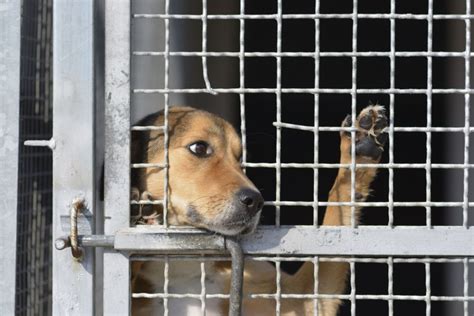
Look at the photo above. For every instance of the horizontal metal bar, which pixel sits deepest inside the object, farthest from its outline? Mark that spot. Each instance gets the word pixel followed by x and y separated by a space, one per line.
pixel 148 165
pixel 369 204
pixel 174 295
pixel 302 240
pixel 350 129
pixel 305 54
pixel 384 297
pixel 362 165
pixel 41 143
pixel 148 128
pixel 278 258
pixel 308 90
pixel 147 202
pixel 96 241
pixel 407 16
pixel 157 239
pixel 322 203
pixel 364 241
pixel 381 297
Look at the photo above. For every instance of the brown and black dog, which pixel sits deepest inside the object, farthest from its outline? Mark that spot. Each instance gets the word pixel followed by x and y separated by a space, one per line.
pixel 208 189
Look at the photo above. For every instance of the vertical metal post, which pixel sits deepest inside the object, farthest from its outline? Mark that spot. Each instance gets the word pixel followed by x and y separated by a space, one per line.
pixel 429 110
pixel 353 113
pixel 10 28
pixel 73 159
pixel 317 61
pixel 117 152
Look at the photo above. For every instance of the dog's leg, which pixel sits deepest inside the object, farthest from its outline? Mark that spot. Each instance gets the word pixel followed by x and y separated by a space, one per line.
pixel 370 140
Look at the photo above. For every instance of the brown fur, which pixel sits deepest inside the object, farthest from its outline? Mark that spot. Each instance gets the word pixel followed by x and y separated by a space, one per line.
pixel 209 184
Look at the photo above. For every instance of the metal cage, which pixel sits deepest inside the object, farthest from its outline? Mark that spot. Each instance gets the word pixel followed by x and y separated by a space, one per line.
pixel 279 68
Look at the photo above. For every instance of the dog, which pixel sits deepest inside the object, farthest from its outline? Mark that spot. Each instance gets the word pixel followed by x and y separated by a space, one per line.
pixel 208 189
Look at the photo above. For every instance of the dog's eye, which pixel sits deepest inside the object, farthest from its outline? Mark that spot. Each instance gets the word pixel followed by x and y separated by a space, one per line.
pixel 200 149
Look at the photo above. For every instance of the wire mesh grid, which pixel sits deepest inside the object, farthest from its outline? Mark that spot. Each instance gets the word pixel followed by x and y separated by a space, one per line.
pixel 33 276
pixel 278 204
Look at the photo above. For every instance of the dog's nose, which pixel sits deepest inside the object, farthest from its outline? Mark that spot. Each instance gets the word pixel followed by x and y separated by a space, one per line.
pixel 251 199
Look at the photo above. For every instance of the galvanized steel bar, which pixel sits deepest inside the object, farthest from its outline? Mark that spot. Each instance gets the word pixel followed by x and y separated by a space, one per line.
pixel 243 127
pixel 289 240
pixel 73 158
pixel 467 106
pixel 465 264
pixel 407 54
pixel 205 72
pixel 203 287
pixel 391 127
pixel 303 258
pixel 401 16
pixel 309 90
pixel 157 239
pixel 390 285
pixel 166 150
pixel 278 92
pixel 365 241
pixel 116 293
pixel 316 285
pixel 429 110
pixel 10 27
pixel 352 278
pixel 353 222
pixel 236 282
pixel 166 122
pixel 316 119
pixel 428 288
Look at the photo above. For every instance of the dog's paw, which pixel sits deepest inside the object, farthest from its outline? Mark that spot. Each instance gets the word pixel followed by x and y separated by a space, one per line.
pixel 370 136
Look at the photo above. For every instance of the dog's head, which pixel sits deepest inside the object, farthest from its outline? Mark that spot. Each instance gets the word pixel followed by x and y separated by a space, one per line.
pixel 207 187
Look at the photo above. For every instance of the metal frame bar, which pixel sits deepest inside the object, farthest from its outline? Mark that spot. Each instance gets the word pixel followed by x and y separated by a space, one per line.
pixel 116 292
pixel 10 28
pixel 401 16
pixel 404 54
pixel 376 241
pixel 73 157
pixel 307 90
pixel 446 241
pixel 467 104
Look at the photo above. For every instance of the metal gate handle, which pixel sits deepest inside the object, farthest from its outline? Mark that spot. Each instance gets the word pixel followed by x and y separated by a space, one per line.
pixel 72 240
pixel 237 276
pixel 230 244
pixel 76 207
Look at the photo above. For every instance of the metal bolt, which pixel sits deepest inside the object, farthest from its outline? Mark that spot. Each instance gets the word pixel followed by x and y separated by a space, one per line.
pixel 61 243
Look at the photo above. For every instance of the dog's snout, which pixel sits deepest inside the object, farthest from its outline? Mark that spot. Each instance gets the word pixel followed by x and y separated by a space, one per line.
pixel 251 199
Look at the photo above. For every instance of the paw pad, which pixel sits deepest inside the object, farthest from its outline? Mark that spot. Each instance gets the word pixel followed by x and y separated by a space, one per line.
pixel 370 136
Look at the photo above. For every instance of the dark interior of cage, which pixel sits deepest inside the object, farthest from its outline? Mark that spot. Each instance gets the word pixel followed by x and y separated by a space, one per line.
pixel 411 110
pixel 373 35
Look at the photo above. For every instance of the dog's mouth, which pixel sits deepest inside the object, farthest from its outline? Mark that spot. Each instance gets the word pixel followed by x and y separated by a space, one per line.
pixel 230 223
pixel 238 224
pixel 244 227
